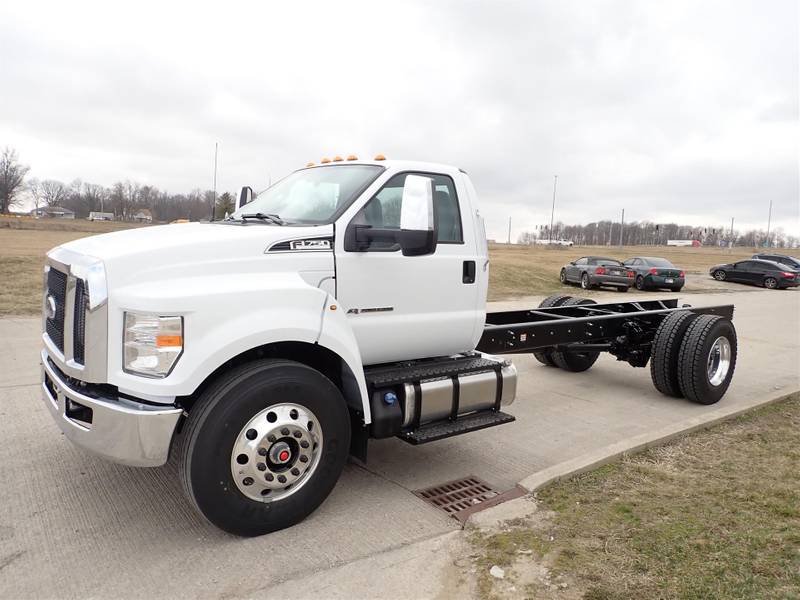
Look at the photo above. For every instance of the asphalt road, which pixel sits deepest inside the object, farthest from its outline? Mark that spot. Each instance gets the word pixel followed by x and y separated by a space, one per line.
pixel 72 525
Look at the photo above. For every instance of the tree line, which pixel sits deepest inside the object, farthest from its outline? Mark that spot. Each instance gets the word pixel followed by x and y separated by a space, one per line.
pixel 647 233
pixel 124 199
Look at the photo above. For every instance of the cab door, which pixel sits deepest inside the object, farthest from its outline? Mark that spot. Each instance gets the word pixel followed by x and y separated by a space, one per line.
pixel 407 307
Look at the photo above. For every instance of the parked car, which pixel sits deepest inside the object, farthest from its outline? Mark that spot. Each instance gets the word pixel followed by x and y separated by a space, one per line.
pixel 653 272
pixel 595 271
pixel 767 273
pixel 789 261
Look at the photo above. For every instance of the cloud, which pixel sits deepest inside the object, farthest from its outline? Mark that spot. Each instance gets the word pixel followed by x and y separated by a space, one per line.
pixel 677 110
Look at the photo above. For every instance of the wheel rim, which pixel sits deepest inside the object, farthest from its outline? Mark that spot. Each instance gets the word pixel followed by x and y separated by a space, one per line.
pixel 770 283
pixel 719 361
pixel 585 282
pixel 563 276
pixel 276 452
pixel 719 275
pixel 639 283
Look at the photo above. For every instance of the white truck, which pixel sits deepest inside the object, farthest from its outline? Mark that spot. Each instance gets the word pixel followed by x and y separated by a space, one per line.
pixel 344 303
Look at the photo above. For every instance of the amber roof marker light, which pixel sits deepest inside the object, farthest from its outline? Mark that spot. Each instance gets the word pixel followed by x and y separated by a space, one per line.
pixel 352 157
pixel 380 157
pixel 310 164
pixel 325 161
pixel 337 159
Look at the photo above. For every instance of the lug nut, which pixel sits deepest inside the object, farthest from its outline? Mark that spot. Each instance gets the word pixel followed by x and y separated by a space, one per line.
pixel 261 467
pixel 285 431
pixel 295 471
pixel 262 451
pixel 269 476
pixel 303 458
pixel 304 444
pixel 281 478
pixel 270 438
pixel 297 434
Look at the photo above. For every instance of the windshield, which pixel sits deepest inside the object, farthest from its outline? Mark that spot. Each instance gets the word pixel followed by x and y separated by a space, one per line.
pixel 658 262
pixel 598 260
pixel 316 195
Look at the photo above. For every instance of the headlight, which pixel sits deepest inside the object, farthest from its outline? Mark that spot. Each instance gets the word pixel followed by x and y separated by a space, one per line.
pixel 151 344
pixel 94 274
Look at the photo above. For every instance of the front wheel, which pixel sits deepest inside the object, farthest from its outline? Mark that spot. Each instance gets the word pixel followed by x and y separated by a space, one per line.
pixel 770 283
pixel 563 276
pixel 720 275
pixel 264 446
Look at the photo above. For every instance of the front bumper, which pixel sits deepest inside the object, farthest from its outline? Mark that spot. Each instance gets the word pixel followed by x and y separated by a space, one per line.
pixel 120 430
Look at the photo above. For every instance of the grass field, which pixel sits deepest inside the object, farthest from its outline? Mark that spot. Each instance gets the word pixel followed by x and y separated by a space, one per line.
pixel 515 270
pixel 713 515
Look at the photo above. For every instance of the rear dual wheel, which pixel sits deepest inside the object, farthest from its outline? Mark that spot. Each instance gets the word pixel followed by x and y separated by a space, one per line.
pixel 575 361
pixel 546 356
pixel 693 356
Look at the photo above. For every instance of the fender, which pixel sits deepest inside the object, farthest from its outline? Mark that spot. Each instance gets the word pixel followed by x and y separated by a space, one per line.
pixel 225 316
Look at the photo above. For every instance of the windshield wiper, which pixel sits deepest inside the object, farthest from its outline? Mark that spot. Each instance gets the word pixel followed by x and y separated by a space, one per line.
pixel 269 217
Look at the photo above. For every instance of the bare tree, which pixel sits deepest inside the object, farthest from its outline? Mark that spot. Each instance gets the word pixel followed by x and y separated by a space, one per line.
pixel 53 192
pixel 12 177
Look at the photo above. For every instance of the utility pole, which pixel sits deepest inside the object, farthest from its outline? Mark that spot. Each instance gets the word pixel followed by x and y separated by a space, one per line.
pixel 553 210
pixel 730 242
pixel 621 227
pixel 610 231
pixel 509 231
pixel 214 201
pixel 769 222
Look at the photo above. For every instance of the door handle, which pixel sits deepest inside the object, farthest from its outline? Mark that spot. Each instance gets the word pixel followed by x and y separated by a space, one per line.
pixel 468 272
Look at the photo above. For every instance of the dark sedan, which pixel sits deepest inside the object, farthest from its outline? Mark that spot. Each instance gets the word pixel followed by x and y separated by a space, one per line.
pixel 789 261
pixel 654 273
pixel 595 271
pixel 766 273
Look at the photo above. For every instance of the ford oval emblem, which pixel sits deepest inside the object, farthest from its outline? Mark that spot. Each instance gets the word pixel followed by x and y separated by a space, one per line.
pixel 50 307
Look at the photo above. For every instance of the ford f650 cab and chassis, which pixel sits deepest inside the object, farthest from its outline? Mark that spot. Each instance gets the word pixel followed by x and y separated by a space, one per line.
pixel 346 302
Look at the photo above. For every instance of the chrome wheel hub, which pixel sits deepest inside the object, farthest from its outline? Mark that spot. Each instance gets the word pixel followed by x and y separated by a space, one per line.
pixel 276 452
pixel 719 361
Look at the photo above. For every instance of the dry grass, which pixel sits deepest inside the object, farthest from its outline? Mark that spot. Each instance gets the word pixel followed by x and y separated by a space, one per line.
pixel 516 271
pixel 533 270
pixel 713 515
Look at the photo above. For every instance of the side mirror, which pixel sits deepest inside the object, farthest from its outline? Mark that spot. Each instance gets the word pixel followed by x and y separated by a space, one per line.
pixel 245 197
pixel 418 233
pixel 572 262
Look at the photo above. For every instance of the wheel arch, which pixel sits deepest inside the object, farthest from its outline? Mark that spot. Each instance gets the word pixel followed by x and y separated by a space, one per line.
pixel 314 355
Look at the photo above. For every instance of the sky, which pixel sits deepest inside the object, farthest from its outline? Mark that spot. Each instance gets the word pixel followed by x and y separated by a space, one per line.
pixel 682 111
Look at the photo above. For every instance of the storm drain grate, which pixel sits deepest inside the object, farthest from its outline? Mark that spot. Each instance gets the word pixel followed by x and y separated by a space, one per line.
pixel 455 496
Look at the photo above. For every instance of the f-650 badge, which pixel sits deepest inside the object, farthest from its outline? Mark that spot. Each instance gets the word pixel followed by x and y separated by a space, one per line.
pixel 311 245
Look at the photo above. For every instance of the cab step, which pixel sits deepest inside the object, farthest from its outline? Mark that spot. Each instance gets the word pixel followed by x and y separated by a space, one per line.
pixel 445 429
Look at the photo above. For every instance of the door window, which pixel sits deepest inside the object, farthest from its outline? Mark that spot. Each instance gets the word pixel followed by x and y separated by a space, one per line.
pixel 582 261
pixel 383 210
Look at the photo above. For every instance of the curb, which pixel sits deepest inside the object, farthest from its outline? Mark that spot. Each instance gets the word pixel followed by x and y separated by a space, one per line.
pixel 639 443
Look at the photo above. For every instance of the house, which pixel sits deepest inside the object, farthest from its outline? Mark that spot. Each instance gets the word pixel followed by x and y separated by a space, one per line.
pixel 101 216
pixel 53 212
pixel 143 216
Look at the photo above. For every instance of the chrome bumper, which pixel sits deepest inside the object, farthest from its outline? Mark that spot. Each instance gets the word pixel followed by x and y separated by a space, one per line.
pixel 122 431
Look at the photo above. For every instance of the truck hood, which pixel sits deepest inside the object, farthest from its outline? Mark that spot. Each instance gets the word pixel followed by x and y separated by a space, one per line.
pixel 188 249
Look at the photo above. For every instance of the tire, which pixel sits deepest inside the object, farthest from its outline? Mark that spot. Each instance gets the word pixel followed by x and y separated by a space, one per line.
pixel 545 356
pixel 677 289
pixel 623 289
pixel 563 277
pixel 574 361
pixel 771 283
pixel 640 283
pixel 720 275
pixel 585 283
pixel 228 410
pixel 665 352
pixel 710 340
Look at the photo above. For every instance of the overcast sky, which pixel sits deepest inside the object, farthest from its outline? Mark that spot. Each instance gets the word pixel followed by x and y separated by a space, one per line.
pixel 676 111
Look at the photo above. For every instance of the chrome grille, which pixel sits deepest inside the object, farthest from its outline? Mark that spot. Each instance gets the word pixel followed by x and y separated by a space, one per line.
pixel 79 322
pixel 57 288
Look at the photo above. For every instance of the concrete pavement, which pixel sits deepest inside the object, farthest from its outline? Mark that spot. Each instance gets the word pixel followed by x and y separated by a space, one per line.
pixel 73 525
